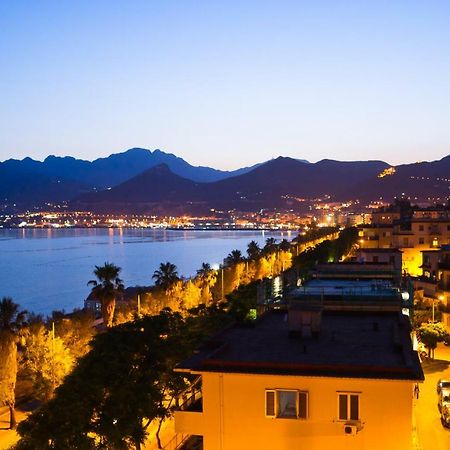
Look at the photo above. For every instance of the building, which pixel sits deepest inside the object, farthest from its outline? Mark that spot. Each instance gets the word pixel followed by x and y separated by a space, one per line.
pixel 433 286
pixel 425 230
pixel 314 376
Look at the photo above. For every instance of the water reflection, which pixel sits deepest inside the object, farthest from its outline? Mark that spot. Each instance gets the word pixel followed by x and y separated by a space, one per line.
pixel 55 265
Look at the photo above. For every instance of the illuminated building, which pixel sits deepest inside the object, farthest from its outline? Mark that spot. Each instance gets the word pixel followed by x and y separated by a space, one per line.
pixel 336 369
pixel 314 376
pixel 425 230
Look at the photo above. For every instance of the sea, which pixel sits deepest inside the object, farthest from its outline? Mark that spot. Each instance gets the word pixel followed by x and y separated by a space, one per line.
pixel 48 269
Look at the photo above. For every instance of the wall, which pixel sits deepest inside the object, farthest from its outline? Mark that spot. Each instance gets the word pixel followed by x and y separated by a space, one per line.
pixel 233 415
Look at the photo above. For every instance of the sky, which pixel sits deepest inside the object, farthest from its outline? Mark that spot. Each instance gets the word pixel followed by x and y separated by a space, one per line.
pixel 226 84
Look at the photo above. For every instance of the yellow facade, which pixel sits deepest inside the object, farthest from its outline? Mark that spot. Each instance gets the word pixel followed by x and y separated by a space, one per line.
pixel 234 414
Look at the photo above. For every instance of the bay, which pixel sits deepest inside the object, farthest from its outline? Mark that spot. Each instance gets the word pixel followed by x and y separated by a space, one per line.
pixel 48 269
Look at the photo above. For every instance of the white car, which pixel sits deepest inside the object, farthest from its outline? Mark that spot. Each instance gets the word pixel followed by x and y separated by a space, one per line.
pixel 444 398
pixel 442 384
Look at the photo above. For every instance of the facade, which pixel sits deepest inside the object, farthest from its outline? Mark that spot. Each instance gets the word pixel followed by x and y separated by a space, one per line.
pixel 425 230
pixel 433 285
pixel 310 377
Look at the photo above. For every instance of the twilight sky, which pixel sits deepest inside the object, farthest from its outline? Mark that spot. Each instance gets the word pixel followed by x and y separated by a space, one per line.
pixel 226 83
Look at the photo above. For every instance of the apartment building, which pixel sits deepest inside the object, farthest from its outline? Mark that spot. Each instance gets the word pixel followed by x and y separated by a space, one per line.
pixel 424 230
pixel 313 376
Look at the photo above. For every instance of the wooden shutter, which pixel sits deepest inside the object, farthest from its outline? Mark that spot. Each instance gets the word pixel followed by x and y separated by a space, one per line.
pixel 302 405
pixel 270 403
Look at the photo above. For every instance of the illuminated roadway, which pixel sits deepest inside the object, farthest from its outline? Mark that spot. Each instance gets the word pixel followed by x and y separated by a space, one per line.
pixel 432 435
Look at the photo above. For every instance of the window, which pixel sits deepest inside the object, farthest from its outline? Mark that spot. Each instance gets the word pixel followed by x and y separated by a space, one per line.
pixel 287 404
pixel 348 404
pixel 420 227
pixel 405 241
pixel 421 240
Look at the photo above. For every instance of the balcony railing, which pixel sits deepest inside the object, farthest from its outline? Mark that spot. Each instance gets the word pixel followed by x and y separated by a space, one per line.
pixel 191 398
pixel 176 442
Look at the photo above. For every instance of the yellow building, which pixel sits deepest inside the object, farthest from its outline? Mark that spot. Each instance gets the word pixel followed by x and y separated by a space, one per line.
pixel 422 232
pixel 313 378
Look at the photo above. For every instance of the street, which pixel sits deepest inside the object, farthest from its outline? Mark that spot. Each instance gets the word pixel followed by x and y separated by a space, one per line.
pixel 431 434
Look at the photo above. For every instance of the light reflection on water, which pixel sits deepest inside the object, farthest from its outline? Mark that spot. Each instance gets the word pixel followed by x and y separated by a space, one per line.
pixel 47 269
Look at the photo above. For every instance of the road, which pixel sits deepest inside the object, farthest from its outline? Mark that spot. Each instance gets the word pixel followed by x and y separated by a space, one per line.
pixel 9 437
pixel 431 434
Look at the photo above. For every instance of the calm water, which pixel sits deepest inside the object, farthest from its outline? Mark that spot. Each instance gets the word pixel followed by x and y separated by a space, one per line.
pixel 44 270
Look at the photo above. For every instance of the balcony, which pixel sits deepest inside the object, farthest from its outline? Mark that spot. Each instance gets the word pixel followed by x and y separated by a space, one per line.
pixel 189 414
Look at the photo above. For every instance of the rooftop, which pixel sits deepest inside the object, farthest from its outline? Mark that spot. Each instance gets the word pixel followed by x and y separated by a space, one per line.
pixel 350 344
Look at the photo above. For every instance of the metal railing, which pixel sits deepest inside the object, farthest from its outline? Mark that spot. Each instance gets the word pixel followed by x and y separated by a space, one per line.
pixel 190 395
pixel 176 442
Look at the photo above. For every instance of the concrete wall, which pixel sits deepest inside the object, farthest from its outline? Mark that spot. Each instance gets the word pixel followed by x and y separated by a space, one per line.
pixel 234 418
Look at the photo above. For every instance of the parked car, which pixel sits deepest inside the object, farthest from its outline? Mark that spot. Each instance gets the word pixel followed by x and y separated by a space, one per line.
pixel 442 384
pixel 445 415
pixel 444 399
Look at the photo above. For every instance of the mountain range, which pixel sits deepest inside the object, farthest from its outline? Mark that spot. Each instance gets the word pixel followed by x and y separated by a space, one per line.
pixel 144 181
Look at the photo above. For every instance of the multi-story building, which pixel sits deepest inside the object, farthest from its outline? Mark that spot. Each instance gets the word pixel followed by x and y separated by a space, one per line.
pixel 315 376
pixel 433 285
pixel 425 230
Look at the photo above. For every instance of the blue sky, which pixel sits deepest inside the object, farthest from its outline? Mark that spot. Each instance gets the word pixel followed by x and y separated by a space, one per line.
pixel 226 84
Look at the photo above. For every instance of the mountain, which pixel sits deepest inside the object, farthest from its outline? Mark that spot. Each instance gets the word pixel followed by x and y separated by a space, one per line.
pixel 56 179
pixel 282 183
pixel 141 181
pixel 157 190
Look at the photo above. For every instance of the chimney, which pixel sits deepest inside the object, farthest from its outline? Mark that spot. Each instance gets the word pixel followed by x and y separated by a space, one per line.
pixel 304 318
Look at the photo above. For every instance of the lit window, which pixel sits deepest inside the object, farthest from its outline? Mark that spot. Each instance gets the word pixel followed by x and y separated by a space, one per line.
pixel 348 406
pixel 288 404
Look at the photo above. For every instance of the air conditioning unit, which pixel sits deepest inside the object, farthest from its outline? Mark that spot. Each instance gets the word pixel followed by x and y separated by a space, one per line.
pixel 350 429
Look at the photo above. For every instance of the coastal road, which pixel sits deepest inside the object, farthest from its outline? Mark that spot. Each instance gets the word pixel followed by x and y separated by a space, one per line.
pixel 431 434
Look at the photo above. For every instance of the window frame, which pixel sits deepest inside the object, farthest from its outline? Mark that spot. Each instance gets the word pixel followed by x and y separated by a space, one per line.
pixel 276 403
pixel 349 412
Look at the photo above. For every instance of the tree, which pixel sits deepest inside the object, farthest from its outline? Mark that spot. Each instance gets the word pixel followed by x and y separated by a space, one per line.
pixel 46 360
pixel 105 288
pixel 207 277
pixel 271 245
pixel 253 250
pixel 431 334
pixel 234 257
pixel 94 409
pixel 11 324
pixel 166 275
pixel 285 245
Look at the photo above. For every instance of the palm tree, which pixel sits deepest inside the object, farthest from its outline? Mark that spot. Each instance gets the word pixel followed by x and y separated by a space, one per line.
pixel 105 288
pixel 206 274
pixel 253 250
pixel 271 245
pixel 285 245
pixel 11 323
pixel 234 257
pixel 166 275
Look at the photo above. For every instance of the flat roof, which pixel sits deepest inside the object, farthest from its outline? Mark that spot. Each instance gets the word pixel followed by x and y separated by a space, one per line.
pixel 350 345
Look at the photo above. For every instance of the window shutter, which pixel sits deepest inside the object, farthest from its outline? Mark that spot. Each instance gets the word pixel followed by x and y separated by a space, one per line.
pixel 302 405
pixel 270 403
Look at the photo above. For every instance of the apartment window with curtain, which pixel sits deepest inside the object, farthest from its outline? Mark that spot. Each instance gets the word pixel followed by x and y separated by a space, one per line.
pixel 348 406
pixel 286 404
